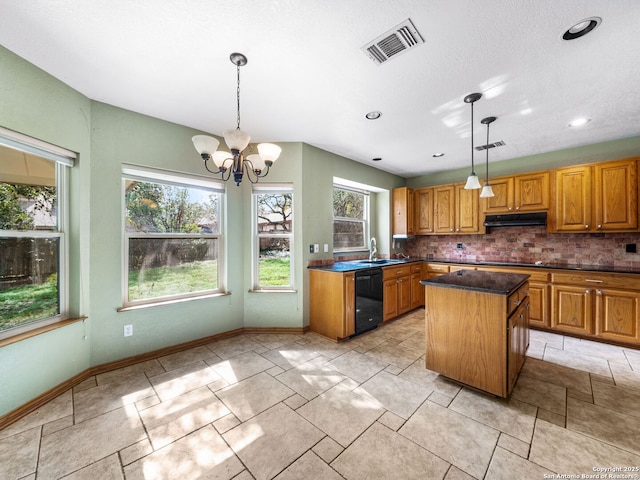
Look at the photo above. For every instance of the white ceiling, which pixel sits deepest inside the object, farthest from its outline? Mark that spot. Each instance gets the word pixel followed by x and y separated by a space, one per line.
pixel 307 79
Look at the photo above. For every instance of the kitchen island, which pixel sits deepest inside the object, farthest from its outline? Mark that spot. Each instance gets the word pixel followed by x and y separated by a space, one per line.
pixel 477 330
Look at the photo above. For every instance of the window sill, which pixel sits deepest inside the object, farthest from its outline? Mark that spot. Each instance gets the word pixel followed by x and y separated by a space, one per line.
pixel 273 291
pixel 37 331
pixel 130 308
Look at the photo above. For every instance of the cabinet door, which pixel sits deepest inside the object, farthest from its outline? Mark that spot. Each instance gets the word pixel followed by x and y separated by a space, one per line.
pixel 403 221
pixel 616 196
pixel 502 201
pixel 518 341
pixel 424 211
pixel 404 294
pixel 572 309
pixel 443 209
pixel 531 192
pixel 539 304
pixel 390 299
pixel 572 212
pixel 618 315
pixel 467 210
pixel 349 304
pixel 417 291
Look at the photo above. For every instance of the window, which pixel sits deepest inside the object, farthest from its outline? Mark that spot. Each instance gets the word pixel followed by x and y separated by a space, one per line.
pixel 350 219
pixel 33 224
pixel 172 229
pixel 273 233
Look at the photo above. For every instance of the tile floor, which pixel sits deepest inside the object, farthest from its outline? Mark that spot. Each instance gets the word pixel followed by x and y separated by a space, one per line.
pixel 282 406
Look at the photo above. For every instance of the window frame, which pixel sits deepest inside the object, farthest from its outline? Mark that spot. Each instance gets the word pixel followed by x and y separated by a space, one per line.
pixel 175 179
pixel 261 189
pixel 366 221
pixel 64 160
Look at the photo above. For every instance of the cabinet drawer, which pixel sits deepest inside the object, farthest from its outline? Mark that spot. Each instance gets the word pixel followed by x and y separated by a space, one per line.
pixel 416 267
pixel 597 280
pixel 516 298
pixel 437 268
pixel 535 274
pixel 395 272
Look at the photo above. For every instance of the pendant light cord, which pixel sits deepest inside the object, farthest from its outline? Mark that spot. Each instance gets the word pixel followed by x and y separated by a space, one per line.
pixel 487 173
pixel 238 96
pixel 473 170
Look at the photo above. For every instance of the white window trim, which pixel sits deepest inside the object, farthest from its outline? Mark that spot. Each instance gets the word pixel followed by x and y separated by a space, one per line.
pixel 177 179
pixel 64 160
pixel 366 221
pixel 275 188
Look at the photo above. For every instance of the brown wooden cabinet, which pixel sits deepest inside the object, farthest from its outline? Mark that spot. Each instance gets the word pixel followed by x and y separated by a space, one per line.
pixel 396 291
pixel 520 193
pixel 456 210
pixel 539 293
pixel 596 198
pixel 332 303
pixel 417 290
pixel 572 309
pixel 617 315
pixel 518 333
pixel 444 206
pixel 423 199
pixel 403 212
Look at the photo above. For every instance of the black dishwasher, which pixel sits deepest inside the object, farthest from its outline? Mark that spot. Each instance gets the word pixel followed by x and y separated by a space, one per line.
pixel 368 299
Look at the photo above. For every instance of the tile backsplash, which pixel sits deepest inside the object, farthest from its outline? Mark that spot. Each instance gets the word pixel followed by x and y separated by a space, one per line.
pixel 529 245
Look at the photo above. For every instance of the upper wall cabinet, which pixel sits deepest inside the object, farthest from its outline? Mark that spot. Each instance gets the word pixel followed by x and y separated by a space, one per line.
pixel 456 210
pixel 596 198
pixel 520 193
pixel 403 213
pixel 423 211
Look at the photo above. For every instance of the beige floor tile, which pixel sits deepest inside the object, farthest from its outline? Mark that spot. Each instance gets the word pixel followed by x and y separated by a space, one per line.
pixel 135 452
pixel 440 399
pixel 594 349
pixel 244 475
pixel 536 349
pixel 68 450
pixel 514 445
pixel 290 355
pixel 184 379
pixel 295 401
pixel 455 473
pixel 230 347
pixel 395 457
pixel 150 368
pixel 626 378
pixel 357 366
pixel 88 383
pixel 511 416
pixel 633 357
pixel 541 394
pixel 254 395
pixel 275 340
pixel 367 341
pixel 110 396
pixel 327 348
pixel 19 454
pixel 241 366
pixel 417 373
pixel 393 393
pixel 599 366
pixel 341 414
pixel 609 426
pixel 327 449
pixel 272 440
pixel 179 416
pixel 226 423
pixel 394 355
pixel 311 378
pixel 147 402
pixel 551 339
pixel 106 469
pixel 198 456
pixel 185 357
pixel 547 416
pixel 557 374
pixel 309 466
pixel 58 408
pixel 52 427
pixel 623 400
pixel 275 371
pixel 564 451
pixel 391 421
pixel 459 440
pixel 504 464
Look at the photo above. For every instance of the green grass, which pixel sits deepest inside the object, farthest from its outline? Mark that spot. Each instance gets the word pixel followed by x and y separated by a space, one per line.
pixel 163 281
pixel 274 272
pixel 22 304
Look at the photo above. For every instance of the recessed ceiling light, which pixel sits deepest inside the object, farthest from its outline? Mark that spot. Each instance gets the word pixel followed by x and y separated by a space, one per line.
pixel 578 122
pixel 436 155
pixel 377 159
pixel 373 115
pixel 581 28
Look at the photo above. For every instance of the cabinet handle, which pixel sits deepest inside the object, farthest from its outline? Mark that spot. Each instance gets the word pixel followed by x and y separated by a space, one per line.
pixel 517 208
pixel 593 281
pixel 457 229
pixel 451 229
pixel 599 227
pixel 598 292
pixel 510 208
pixel 516 303
pixel 587 291
pixel 586 227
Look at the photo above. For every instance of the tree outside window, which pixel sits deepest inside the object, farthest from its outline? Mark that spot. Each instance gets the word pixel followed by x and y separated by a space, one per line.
pixel 350 219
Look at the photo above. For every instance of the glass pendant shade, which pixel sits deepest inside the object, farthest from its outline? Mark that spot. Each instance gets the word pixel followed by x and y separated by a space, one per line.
pixel 220 156
pixel 472 182
pixel 205 144
pixel 256 161
pixel 486 192
pixel 236 139
pixel 269 152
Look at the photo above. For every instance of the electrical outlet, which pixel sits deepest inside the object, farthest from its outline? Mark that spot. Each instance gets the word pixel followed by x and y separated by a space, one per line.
pixel 128 330
pixel 459 246
pixel 326 248
pixel 316 248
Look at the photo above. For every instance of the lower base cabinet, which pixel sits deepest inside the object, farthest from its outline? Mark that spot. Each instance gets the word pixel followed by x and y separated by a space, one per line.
pixel 617 315
pixel 332 303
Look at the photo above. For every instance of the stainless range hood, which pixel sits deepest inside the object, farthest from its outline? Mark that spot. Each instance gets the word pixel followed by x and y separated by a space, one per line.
pixel 516 219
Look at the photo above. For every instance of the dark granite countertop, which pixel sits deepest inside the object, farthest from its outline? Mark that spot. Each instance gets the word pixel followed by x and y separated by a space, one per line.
pixel 489 282
pixel 352 265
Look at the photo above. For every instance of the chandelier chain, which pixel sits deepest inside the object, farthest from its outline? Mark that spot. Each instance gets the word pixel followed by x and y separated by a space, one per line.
pixel 238 95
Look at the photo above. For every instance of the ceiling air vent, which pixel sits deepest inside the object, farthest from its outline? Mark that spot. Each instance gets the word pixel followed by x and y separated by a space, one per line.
pixel 399 39
pixel 499 143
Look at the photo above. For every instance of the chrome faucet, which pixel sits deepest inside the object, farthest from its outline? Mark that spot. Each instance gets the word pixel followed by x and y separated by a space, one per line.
pixel 373 249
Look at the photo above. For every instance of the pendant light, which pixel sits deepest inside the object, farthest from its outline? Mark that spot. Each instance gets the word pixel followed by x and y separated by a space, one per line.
pixel 487 191
pixel 472 180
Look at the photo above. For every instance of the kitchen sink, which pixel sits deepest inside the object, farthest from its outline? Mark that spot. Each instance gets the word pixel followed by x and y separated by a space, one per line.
pixel 375 262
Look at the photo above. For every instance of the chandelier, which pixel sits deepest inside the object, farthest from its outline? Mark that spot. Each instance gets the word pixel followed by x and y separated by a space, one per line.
pixel 256 165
